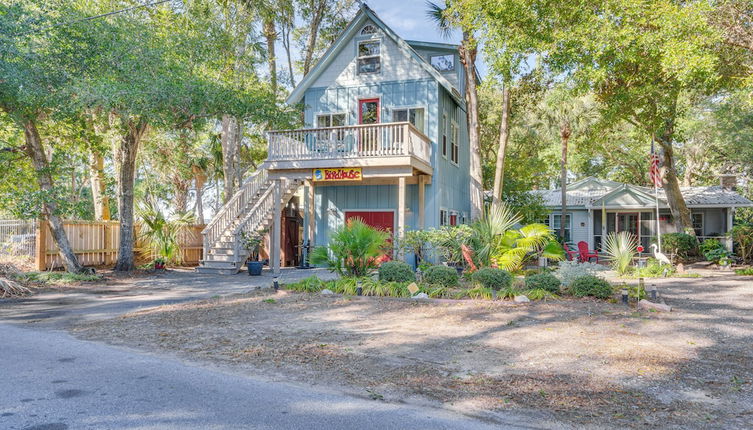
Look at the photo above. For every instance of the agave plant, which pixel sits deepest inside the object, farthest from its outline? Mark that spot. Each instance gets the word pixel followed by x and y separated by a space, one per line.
pixel 620 248
pixel 353 249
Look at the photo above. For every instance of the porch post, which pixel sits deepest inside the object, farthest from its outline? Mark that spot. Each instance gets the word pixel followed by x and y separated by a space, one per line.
pixel 312 214
pixel 276 228
pixel 730 221
pixel 400 209
pixel 590 229
pixel 421 204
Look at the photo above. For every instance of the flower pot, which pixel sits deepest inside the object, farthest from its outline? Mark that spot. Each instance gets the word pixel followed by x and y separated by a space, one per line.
pixel 254 268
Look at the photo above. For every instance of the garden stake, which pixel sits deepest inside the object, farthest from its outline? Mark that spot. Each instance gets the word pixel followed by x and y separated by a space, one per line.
pixel 624 296
pixel 359 289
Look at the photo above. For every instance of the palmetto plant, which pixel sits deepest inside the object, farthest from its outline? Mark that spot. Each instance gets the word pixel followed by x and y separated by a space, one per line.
pixel 620 248
pixel 161 234
pixel 495 241
pixel 353 249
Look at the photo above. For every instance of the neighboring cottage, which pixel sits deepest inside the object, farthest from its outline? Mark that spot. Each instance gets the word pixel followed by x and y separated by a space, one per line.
pixel 633 208
pixel 386 141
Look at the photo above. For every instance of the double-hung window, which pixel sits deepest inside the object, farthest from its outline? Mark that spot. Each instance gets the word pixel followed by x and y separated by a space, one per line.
pixel 369 57
pixel 557 222
pixel 330 120
pixel 697 219
pixel 413 115
pixel 454 152
pixel 443 217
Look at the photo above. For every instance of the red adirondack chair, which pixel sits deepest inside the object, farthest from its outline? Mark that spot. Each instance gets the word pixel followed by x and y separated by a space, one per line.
pixel 571 255
pixel 585 254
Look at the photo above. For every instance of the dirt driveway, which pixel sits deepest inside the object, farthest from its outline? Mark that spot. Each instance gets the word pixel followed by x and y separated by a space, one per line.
pixel 585 363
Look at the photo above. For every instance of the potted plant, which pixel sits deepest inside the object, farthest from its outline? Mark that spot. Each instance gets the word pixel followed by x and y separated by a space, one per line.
pixel 159 264
pixel 251 243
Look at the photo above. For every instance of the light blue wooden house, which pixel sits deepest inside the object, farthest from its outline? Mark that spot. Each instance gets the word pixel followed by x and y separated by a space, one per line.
pixel 385 140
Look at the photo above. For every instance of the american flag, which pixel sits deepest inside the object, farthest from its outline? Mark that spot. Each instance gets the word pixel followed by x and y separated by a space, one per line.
pixel 654 172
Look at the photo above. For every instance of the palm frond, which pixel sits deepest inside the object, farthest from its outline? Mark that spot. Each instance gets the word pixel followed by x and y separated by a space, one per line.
pixel 438 15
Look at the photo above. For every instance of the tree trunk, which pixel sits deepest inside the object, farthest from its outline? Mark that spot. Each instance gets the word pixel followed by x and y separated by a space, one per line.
pixel 99 186
pixel 504 136
pixel 680 212
pixel 129 146
pixel 468 52
pixel 565 136
pixel 35 151
pixel 270 34
pixel 286 44
pixel 317 9
pixel 199 180
pixel 232 133
pixel 181 194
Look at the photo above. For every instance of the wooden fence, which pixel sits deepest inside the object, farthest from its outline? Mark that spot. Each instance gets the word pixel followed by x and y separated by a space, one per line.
pixel 95 243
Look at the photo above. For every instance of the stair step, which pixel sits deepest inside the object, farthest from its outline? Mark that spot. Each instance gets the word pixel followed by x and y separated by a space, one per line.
pixel 221 264
pixel 216 271
pixel 221 251
pixel 222 258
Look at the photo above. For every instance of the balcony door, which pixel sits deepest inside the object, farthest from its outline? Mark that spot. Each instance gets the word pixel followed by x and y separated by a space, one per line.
pixel 368 113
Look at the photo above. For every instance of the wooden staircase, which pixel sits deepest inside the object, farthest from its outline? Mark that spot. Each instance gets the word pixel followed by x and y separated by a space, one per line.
pixel 249 211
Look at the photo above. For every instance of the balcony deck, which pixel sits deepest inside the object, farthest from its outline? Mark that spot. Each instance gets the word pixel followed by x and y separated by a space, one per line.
pixel 381 150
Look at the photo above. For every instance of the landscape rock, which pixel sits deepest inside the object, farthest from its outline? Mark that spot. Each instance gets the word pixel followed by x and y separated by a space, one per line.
pixel 521 299
pixel 326 292
pixel 661 307
pixel 421 296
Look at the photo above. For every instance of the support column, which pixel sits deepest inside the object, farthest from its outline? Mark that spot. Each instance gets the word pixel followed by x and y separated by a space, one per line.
pixel 589 226
pixel 400 210
pixel 421 202
pixel 730 222
pixel 312 214
pixel 276 228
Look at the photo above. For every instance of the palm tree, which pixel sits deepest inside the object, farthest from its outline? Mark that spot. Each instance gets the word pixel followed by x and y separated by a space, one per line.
pixel 564 114
pixel 468 52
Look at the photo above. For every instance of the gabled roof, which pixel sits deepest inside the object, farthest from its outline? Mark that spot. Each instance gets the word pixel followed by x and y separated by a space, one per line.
pixel 595 193
pixel 355 24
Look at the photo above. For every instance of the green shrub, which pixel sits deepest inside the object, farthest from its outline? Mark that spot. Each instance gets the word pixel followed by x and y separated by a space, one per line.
pixel 591 286
pixel 508 293
pixel 539 294
pixel 620 248
pixel 397 271
pixel 496 279
pixel 679 244
pixel 441 275
pixel 544 281
pixel 653 269
pixel 744 272
pixel 58 277
pixel 742 235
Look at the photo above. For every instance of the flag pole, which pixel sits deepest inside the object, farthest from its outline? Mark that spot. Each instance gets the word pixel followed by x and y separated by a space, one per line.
pixel 655 178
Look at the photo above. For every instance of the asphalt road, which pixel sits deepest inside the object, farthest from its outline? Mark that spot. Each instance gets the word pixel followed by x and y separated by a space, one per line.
pixel 52 381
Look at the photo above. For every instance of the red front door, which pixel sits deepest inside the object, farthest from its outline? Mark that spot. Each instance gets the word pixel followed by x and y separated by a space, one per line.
pixel 381 220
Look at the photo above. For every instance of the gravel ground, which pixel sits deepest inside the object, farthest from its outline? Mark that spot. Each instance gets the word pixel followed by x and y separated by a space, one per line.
pixel 587 363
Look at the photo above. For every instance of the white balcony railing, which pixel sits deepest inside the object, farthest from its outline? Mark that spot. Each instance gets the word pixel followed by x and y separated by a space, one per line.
pixel 357 141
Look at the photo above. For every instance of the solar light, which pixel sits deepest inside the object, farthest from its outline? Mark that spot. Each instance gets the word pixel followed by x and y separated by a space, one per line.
pixel 275 284
pixel 359 289
pixel 624 296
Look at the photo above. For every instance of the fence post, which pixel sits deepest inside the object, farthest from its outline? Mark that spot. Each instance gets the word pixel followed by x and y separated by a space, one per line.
pixel 41 245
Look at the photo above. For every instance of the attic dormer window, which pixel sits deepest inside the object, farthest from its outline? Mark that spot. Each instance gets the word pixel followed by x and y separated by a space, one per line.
pixel 367 30
pixel 369 57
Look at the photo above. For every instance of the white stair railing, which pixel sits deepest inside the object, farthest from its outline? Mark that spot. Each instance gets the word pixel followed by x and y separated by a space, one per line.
pixel 233 209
